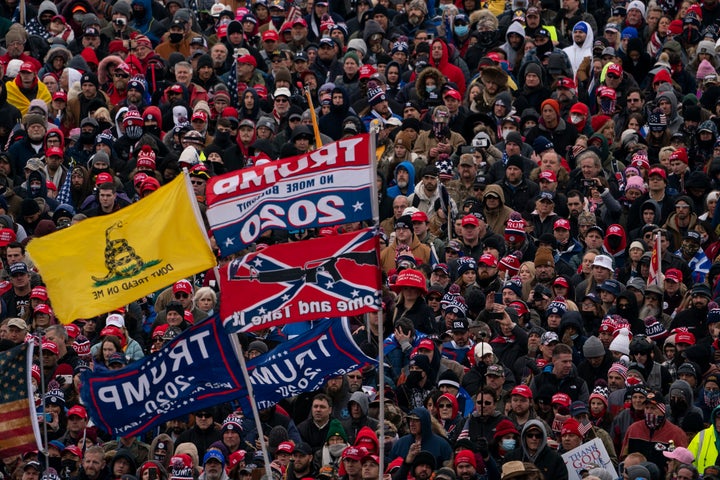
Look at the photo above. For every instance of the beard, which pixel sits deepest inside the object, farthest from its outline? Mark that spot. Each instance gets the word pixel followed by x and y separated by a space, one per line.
pixel 648 311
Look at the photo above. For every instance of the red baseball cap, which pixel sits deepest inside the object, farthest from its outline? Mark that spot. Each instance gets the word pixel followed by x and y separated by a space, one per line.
pixel 50 347
pixel 488 259
pixel 607 92
pixel 60 96
pixel 657 171
pixel 615 69
pixel 183 286
pixel 674 275
pixel 419 216
pixel 680 154
pixel 685 337
pixel 561 223
pixel 270 35
pixel 72 330
pixel 470 220
pixel 54 152
pixel 426 344
pixel 103 177
pixel 452 93
pixel 199 115
pixel 561 398
pixel 7 236
pixel 78 410
pixel 286 447
pixel 548 175
pixel 561 281
pixel 27 67
pixel 39 292
pixel 522 390
pixel 299 21
pixel 367 71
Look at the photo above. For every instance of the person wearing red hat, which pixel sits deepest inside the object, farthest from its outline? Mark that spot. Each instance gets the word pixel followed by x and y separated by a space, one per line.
pixel 405 239
pixel 410 284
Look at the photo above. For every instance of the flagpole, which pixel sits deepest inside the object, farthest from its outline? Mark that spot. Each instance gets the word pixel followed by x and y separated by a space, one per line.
pixel 381 319
pixel 251 397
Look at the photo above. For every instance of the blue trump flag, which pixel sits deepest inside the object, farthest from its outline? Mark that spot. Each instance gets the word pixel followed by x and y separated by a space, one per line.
pixel 304 363
pixel 199 369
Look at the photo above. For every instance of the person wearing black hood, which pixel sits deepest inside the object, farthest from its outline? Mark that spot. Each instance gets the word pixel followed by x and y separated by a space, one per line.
pixel 331 124
pixel 627 307
pixel 640 66
pixel 695 313
pixel 571 333
pixel 534 448
pixel 122 464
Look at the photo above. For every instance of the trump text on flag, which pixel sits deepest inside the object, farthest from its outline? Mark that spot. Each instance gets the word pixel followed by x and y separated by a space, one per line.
pixel 329 186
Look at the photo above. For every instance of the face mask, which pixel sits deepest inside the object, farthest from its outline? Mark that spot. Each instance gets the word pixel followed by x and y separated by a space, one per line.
pixel 575 119
pixel 486 38
pixel 414 20
pixel 86 138
pixel 691 35
pixel 442 7
pixel 508 444
pixel 414 378
pixel 614 242
pixel 139 14
pixel 337 449
pixel 222 137
pixel 711 398
pixel 654 421
pixel 461 30
pixel 505 133
pixel 430 88
pixel 678 405
pixel 574 336
pixel 175 37
pixel 34 189
pixel 134 132
pixel 278 20
pixel 688 250
pixel 153 129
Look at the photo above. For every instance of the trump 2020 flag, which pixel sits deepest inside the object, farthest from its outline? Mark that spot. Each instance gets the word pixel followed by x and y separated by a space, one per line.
pixel 18 423
pixel 304 363
pixel 328 186
pixel 325 277
pixel 105 262
pixel 197 369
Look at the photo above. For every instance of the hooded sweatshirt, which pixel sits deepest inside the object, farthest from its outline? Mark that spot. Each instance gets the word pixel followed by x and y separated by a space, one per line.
pixel 576 53
pixel 512 53
pixel 678 413
pixel 394 191
pixel 453 73
pixel 435 444
pixel 547 460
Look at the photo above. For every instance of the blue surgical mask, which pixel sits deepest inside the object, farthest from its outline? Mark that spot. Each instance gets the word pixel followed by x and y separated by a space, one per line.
pixel 430 88
pixel 508 444
pixel 461 30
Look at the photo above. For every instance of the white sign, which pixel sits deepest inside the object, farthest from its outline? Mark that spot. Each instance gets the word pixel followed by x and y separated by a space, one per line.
pixel 586 456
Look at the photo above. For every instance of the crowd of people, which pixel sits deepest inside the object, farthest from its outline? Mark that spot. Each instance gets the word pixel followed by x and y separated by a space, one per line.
pixel 548 180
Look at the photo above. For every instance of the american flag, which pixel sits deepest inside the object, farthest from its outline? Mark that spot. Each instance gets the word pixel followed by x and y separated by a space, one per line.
pixel 17 411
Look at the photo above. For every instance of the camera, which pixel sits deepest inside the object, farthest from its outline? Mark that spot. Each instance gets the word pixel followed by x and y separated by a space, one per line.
pixel 120 22
pixel 588 183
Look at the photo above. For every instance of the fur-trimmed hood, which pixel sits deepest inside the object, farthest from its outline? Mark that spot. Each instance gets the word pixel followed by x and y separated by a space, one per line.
pixel 496 75
pixel 111 61
pixel 429 72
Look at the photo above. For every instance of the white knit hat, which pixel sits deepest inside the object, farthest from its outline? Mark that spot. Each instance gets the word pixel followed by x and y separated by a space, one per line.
pixel 621 343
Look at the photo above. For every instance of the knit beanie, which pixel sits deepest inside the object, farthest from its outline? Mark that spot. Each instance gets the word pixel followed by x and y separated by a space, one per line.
pixel 515 285
pixel 601 393
pixel 511 263
pixel 544 256
pixel 515 228
pixel 466 264
pixel 654 329
pixel 705 68
pixel 620 369
pixel 598 121
pixel 283 75
pixel 636 183
pixel 552 103
pixel 557 307
pixel 621 343
pixel 353 55
pixel 335 429
pixel 593 348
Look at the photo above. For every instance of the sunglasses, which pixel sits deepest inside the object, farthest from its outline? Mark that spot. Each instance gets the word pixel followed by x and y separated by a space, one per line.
pixel 612 75
pixel 444 405
pixel 534 435
pixel 158 340
pixel 181 295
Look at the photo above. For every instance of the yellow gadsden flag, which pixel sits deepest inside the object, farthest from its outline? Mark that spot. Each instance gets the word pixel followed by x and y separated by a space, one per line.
pixel 105 262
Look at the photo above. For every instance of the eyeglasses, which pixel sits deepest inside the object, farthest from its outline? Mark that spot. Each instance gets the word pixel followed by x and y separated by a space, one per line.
pixel 534 435
pixel 485 403
pixel 354 377
pixel 633 100
pixel 281 100
pixel 444 405
pixel 181 295
pixel 158 340
pixel 121 75
pixel 197 182
pixel 613 76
